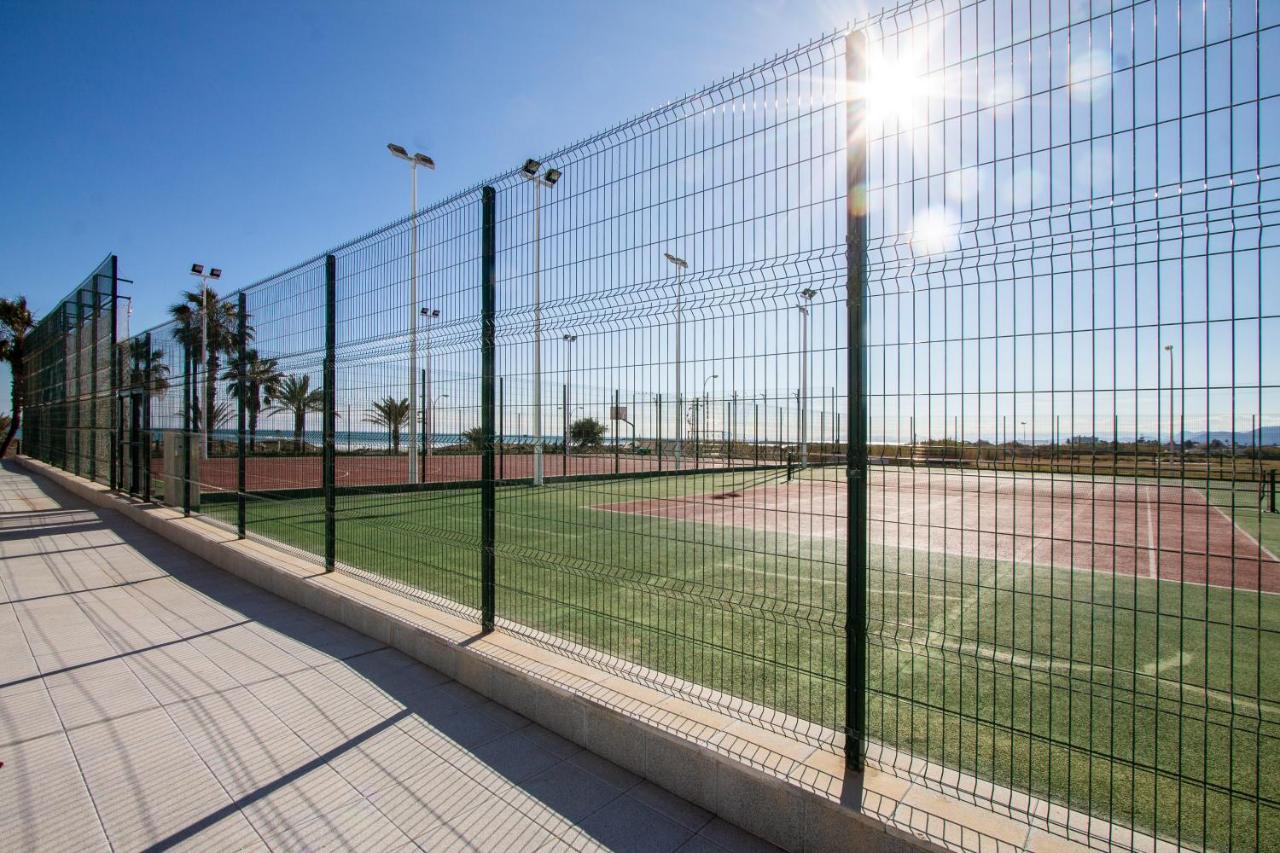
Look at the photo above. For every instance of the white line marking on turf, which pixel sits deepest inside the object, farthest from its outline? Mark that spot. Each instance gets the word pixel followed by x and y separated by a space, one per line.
pixel 1151 539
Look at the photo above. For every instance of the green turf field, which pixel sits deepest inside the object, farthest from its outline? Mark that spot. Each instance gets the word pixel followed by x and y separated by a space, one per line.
pixel 1128 697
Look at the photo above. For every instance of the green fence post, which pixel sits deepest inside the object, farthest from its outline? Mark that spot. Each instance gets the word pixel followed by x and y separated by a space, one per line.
pixel 488 346
pixel 330 406
pixel 93 383
pixel 856 455
pixel 117 384
pixel 146 419
pixel 242 354
pixel 188 389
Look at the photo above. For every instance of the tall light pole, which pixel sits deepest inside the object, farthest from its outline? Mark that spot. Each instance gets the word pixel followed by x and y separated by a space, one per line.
pixel 414 161
pixel 214 273
pixel 1169 349
pixel 807 295
pixel 428 314
pixel 530 172
pixel 681 265
pixel 569 340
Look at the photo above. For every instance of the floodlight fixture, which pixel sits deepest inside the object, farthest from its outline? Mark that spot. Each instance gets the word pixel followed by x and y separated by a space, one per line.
pixel 398 150
pixel 679 262
pixel 531 167
pixel 551 176
pixel 424 161
pixel 215 273
pixel 430 312
pixel 570 338
pixel 197 269
pixel 808 293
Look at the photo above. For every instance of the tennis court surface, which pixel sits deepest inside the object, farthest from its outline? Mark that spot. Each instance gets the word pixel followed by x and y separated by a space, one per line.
pixel 1160 530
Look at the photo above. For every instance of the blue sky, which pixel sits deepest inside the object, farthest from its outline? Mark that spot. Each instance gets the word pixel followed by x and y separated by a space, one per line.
pixel 252 137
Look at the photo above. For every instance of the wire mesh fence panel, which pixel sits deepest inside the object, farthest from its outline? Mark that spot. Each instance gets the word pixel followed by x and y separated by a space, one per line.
pixel 408 367
pixel 662 286
pixel 1072 586
pixel 68 419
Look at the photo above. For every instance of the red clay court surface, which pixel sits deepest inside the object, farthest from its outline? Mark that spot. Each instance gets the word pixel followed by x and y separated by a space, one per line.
pixel 1154 531
pixel 266 473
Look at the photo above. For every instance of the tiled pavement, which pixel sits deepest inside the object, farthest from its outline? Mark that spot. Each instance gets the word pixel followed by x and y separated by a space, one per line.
pixel 148 700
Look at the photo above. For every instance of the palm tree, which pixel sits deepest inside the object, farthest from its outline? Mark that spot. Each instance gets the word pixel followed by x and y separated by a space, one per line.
pixel 295 396
pixel 223 320
pixel 392 415
pixel 15 322
pixel 147 369
pixel 262 378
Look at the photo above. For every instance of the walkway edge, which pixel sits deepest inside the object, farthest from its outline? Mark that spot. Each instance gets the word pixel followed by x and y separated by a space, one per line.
pixel 791 794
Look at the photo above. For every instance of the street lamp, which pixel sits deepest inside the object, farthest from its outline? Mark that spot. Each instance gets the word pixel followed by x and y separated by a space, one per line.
pixel 214 273
pixel 569 340
pixel 428 430
pixel 1169 349
pixel 414 161
pixel 807 295
pixel 530 172
pixel 681 265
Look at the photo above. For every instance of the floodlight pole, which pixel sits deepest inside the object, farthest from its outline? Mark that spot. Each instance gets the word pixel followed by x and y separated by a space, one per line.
pixel 681 265
pixel 538 476
pixel 532 171
pixel 807 295
pixel 198 271
pixel 569 340
pixel 413 311
pixel 428 421
pixel 414 161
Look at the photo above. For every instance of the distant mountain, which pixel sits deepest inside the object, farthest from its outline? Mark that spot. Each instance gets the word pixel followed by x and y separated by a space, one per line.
pixel 1246 438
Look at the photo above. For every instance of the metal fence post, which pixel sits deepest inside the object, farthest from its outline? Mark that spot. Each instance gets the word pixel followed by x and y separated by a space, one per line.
pixel 117 384
pixel 330 406
pixel 93 383
pixel 856 456
pixel 242 323
pixel 488 343
pixel 146 419
pixel 188 401
pixel 502 428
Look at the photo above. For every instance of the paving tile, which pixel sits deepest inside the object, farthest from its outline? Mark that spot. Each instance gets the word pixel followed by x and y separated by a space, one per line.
pixel 570 791
pixel 245 745
pixel 493 825
pixel 626 824
pixel 26 713
pixel 46 803
pixel 82 701
pixel 147 784
pixel 668 804
pixel 729 837
pixel 358 826
pixel 179 672
pixel 515 756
